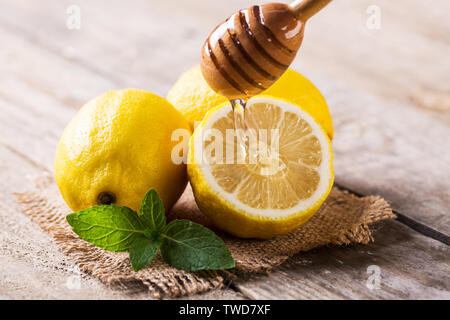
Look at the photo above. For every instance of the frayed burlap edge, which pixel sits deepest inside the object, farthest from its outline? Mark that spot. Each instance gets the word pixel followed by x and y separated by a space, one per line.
pixel 343 219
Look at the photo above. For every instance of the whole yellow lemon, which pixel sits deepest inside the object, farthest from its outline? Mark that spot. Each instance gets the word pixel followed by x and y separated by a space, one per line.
pixel 193 97
pixel 118 146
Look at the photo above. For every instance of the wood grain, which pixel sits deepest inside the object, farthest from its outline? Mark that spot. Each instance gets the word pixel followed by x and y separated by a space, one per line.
pixel 378 149
pixel 403 60
pixel 388 91
pixel 394 151
pixel 342 273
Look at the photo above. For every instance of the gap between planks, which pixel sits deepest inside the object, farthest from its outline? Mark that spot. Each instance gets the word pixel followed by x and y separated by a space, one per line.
pixel 411 223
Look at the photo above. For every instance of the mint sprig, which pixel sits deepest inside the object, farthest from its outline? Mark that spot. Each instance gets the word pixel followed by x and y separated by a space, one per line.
pixel 184 244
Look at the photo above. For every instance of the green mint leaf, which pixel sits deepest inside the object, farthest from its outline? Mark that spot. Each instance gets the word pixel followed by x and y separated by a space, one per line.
pixel 153 235
pixel 142 251
pixel 184 244
pixel 152 211
pixel 190 246
pixel 109 227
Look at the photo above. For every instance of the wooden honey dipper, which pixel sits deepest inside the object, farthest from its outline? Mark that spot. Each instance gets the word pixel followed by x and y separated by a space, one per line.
pixel 249 51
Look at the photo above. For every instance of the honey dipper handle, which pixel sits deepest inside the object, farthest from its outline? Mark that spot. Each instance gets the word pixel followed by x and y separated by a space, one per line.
pixel 305 9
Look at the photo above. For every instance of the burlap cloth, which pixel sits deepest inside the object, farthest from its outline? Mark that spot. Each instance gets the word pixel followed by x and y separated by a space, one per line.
pixel 343 219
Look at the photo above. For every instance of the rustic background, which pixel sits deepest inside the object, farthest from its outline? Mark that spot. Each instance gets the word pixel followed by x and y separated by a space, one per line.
pixel 388 90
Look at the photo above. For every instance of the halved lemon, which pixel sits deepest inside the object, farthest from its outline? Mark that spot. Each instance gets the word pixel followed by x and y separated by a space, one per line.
pixel 277 182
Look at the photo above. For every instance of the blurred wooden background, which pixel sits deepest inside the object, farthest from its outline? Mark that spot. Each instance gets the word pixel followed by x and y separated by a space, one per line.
pixel 388 90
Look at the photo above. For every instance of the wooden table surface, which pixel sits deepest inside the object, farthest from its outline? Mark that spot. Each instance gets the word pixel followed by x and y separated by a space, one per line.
pixel 388 90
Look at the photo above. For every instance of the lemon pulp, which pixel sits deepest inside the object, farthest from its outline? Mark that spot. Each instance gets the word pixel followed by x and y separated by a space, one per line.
pixel 283 179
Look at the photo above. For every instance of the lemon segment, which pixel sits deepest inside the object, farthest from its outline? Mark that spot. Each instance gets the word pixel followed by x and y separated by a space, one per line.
pixel 290 176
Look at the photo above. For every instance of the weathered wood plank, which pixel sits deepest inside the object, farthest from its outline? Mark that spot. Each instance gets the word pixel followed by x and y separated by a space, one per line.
pixel 348 272
pixel 378 149
pixel 404 60
pixel 305 286
pixel 394 151
pixel 141 34
pixel 50 68
pixel 291 291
